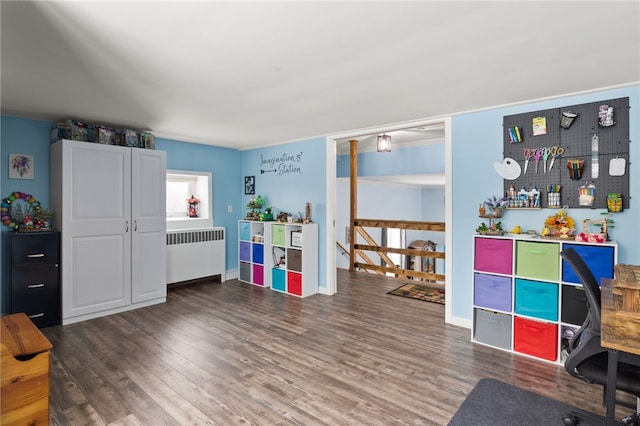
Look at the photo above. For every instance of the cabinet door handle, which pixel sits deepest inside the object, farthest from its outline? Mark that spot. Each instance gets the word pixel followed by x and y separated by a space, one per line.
pixel 31 256
pixel 135 225
pixel 126 226
pixel 40 285
pixel 41 314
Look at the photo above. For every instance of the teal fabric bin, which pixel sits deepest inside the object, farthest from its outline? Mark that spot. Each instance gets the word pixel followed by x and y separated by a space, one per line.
pixel 245 231
pixel 536 299
pixel 277 280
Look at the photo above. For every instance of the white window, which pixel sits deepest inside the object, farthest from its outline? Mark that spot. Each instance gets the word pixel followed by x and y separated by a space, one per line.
pixel 181 186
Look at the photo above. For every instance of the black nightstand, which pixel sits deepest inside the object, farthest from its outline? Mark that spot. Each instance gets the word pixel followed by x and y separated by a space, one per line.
pixel 34 262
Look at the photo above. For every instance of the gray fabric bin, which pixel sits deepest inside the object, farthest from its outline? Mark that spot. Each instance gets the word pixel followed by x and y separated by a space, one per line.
pixel 245 271
pixel 492 328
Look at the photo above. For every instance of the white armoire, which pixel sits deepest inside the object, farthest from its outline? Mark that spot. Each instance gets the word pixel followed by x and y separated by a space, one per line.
pixel 109 204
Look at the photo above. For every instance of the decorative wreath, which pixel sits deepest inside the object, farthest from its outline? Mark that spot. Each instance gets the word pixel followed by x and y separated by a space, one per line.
pixel 7 206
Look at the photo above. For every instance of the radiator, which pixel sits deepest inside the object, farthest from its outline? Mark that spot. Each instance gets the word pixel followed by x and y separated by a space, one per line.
pixel 193 254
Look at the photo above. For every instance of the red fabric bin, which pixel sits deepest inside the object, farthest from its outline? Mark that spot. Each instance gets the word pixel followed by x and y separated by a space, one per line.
pixel 535 338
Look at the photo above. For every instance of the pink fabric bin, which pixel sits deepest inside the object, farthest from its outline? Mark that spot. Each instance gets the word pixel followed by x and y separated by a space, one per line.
pixel 494 255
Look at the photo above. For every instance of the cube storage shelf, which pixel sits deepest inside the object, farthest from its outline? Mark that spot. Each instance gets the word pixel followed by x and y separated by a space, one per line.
pixel 251 259
pixel 283 256
pixel 526 299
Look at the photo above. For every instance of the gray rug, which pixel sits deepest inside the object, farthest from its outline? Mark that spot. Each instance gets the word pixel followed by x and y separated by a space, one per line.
pixel 493 403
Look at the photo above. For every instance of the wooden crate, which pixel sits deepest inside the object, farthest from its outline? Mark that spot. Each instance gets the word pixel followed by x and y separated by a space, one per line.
pixel 626 289
pixel 25 372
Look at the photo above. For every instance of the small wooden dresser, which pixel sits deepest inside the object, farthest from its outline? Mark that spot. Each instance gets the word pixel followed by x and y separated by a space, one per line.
pixel 25 372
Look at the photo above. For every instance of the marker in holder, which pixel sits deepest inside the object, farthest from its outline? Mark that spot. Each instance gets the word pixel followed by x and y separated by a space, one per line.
pixel 586 195
pixel 575 169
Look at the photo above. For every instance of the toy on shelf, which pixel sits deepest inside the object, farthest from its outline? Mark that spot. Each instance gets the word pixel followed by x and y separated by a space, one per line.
pixel 254 205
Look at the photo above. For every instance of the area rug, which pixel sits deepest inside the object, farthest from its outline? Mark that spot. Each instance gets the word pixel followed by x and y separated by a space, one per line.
pixel 492 402
pixel 420 292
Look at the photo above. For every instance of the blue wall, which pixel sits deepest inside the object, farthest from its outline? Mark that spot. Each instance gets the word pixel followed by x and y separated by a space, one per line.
pixel 288 176
pixel 22 136
pixel 225 166
pixel 425 159
pixel 477 143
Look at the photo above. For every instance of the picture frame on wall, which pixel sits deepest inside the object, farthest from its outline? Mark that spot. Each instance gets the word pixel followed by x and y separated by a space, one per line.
pixel 249 185
pixel 21 166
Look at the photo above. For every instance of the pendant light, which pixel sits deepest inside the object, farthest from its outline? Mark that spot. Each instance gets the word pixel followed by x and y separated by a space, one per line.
pixel 383 143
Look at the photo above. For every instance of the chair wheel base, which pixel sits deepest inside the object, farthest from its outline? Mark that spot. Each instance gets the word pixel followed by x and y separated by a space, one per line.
pixel 633 420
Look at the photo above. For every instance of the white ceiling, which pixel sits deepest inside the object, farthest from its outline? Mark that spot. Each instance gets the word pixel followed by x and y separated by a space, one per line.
pixel 248 74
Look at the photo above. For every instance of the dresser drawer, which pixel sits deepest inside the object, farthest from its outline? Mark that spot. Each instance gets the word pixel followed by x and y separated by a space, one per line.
pixel 31 249
pixel 27 281
pixel 36 292
pixel 44 312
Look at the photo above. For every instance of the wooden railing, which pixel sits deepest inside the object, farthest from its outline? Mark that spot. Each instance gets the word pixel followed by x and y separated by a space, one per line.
pixel 389 267
pixel 362 255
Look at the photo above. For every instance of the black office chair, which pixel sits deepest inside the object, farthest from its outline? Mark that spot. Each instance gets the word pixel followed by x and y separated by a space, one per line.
pixel 587 359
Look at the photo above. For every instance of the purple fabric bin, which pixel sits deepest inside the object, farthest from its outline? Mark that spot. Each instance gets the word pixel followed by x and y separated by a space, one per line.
pixel 493 292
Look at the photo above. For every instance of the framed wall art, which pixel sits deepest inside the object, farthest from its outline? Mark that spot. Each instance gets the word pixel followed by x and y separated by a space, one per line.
pixel 21 166
pixel 249 185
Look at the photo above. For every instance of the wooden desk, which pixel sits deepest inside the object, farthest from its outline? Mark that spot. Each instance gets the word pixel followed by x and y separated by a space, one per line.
pixel 620 333
pixel 25 372
pixel 620 329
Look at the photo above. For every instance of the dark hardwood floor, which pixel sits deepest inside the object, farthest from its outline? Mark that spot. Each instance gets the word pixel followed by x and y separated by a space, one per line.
pixel 231 353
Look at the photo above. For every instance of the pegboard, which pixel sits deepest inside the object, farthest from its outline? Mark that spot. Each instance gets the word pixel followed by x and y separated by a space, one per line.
pixel 613 142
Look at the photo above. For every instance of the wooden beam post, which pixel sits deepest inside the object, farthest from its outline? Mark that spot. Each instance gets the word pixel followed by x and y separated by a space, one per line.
pixel 353 200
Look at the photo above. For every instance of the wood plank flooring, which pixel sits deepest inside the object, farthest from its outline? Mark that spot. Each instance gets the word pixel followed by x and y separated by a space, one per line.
pixel 234 354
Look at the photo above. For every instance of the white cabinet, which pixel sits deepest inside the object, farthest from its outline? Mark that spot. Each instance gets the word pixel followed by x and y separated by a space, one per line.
pixel 109 203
